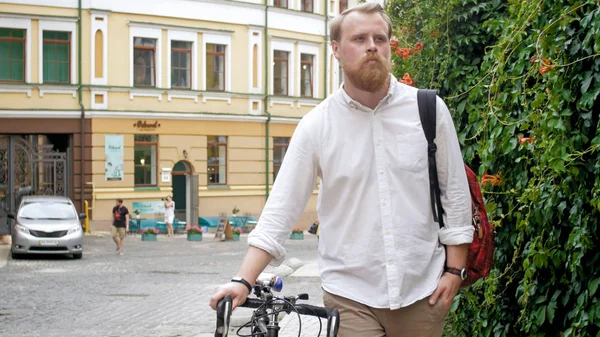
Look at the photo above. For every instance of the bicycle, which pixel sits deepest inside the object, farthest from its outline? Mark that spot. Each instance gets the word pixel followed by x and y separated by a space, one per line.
pixel 265 319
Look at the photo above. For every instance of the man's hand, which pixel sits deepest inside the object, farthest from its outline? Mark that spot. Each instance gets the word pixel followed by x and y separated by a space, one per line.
pixel 237 291
pixel 446 290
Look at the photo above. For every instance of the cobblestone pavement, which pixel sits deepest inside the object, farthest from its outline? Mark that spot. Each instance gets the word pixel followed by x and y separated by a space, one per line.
pixel 156 289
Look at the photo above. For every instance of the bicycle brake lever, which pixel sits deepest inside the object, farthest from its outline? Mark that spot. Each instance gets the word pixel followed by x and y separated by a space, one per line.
pixel 302 296
pixel 223 316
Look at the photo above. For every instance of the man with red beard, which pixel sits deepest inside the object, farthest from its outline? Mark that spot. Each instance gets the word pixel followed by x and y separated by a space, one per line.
pixel 384 262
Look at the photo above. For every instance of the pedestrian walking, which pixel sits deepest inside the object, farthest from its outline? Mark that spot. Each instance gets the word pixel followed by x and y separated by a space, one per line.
pixel 120 226
pixel 169 214
pixel 384 262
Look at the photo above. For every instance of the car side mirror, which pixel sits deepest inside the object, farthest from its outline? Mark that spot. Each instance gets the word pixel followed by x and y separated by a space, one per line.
pixel 10 215
pixel 82 216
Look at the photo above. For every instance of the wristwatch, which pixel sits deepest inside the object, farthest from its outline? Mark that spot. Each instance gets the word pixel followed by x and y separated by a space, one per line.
pixel 462 273
pixel 241 280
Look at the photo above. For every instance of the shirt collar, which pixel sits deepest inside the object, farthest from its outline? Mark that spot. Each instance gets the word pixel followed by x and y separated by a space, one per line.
pixel 357 105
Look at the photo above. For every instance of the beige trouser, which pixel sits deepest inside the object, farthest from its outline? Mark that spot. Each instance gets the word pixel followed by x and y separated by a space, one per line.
pixel 358 320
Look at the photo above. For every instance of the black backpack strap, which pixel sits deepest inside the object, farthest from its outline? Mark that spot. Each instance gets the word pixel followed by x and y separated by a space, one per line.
pixel 426 100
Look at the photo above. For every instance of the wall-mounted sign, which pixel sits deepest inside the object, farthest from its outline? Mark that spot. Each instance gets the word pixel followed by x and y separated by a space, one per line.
pixel 149 207
pixel 113 157
pixel 166 175
pixel 145 125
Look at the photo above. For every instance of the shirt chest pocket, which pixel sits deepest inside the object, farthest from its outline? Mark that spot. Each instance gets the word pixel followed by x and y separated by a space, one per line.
pixel 411 152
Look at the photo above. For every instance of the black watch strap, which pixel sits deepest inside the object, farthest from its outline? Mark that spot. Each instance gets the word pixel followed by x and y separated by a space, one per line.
pixel 242 281
pixel 462 273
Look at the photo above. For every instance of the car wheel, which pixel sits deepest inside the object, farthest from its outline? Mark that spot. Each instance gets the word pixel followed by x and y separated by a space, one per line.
pixel 15 256
pixel 77 256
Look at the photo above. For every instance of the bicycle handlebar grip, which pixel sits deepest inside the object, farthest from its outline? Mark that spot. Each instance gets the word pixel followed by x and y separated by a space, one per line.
pixel 333 323
pixel 252 303
pixel 224 308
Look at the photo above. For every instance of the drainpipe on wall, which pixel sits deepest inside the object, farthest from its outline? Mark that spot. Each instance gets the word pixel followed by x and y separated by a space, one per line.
pixel 82 118
pixel 266 99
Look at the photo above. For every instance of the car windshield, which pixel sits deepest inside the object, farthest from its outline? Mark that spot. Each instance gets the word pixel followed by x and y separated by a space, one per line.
pixel 47 211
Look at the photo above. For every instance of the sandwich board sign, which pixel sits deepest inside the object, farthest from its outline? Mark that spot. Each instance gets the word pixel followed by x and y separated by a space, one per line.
pixel 223 230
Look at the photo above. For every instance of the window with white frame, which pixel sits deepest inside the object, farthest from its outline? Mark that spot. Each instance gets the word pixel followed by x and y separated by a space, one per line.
pixel 57 52
pixel 308 54
pixel 57 56
pixel 144 62
pixel 215 67
pixel 181 65
pixel 280 3
pixel 15 46
pixel 280 72
pixel 145 57
pixel 216 62
pixel 306 5
pixel 12 55
pixel 182 58
pixel 281 77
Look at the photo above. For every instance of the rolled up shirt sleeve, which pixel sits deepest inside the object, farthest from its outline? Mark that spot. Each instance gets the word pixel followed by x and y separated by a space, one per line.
pixel 455 194
pixel 291 191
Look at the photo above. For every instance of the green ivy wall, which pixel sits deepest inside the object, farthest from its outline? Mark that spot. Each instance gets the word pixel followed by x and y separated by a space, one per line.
pixel 522 80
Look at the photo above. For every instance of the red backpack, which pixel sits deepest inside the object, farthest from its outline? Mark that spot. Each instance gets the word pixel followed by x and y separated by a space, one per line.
pixel 481 250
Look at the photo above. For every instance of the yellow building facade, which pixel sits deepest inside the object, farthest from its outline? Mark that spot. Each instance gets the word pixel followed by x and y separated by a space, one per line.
pixel 194 99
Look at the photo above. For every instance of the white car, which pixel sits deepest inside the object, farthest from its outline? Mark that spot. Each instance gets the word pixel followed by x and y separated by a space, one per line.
pixel 47 225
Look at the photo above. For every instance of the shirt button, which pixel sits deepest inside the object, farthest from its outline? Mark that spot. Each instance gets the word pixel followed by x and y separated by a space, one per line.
pixel 390 262
pixel 380 171
pixel 378 142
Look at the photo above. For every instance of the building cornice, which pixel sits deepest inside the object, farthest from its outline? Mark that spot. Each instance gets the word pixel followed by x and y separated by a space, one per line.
pixel 38 17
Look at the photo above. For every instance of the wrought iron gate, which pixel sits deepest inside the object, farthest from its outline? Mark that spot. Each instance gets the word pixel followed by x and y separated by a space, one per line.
pixel 28 169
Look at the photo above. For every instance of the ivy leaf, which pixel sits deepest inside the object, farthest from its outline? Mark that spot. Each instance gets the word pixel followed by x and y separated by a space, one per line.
pixel 541 316
pixel 461 106
pixel 587 80
pixel 562 206
pixel 593 286
pixel 589 97
pixel 550 312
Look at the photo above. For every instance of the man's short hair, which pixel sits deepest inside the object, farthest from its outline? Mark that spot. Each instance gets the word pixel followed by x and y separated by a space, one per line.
pixel 120 201
pixel 335 29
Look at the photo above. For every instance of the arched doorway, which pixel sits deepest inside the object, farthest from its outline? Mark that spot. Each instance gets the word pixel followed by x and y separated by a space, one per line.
pixel 185 192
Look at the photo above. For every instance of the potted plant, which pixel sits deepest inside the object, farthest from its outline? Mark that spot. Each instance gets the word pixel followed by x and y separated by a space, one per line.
pixel 297 234
pixel 137 213
pixel 236 233
pixel 149 234
pixel 194 233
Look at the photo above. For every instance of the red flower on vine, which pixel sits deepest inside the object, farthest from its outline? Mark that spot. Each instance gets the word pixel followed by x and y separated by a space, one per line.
pixel 495 179
pixel 393 44
pixel 545 64
pixel 406 79
pixel 419 46
pixel 403 52
pixel 523 140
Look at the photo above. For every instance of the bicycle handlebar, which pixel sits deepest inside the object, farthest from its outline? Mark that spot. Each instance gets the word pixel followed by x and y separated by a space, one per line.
pixel 224 309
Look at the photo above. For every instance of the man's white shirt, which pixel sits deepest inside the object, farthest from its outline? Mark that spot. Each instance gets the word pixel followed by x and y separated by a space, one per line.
pixel 378 242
